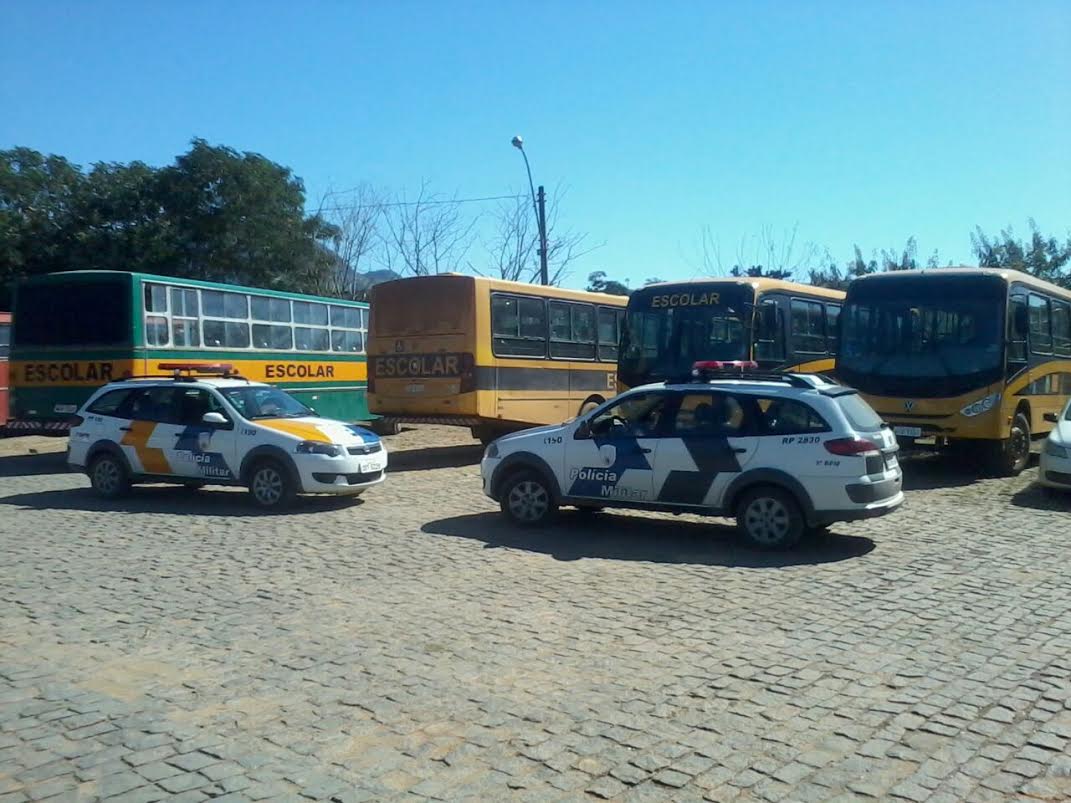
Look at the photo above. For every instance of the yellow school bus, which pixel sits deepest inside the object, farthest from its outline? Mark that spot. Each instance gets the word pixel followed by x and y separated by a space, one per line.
pixel 970 358
pixel 491 355
pixel 783 326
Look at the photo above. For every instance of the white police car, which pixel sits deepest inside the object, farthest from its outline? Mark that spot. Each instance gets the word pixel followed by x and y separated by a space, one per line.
pixel 782 453
pixel 1054 465
pixel 220 430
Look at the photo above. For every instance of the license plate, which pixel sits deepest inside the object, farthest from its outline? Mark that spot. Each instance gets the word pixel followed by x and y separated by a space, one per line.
pixel 65 408
pixel 908 432
pixel 370 467
pixel 414 388
pixel 891 462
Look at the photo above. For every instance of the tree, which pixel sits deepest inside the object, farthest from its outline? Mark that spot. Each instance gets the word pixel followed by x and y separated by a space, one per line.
pixel 356 242
pixel 514 244
pixel 762 255
pixel 426 235
pixel 214 214
pixel 598 283
pixel 1044 257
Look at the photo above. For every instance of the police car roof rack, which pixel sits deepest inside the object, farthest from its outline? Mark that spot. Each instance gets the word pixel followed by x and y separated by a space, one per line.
pixel 706 370
pixel 185 371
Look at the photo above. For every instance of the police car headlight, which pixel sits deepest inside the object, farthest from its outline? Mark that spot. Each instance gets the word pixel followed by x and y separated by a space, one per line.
pixel 1053 449
pixel 316 447
pixel 981 406
pixel 491 451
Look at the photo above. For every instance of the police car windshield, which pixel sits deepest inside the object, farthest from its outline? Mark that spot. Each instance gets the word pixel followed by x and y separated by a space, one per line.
pixel 256 402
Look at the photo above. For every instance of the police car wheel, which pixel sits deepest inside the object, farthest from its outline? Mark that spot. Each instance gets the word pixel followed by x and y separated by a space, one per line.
pixel 108 476
pixel 270 485
pixel 770 518
pixel 527 499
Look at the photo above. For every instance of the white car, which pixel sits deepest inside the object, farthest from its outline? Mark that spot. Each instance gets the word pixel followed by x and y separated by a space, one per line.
pixel 1054 466
pixel 220 431
pixel 782 453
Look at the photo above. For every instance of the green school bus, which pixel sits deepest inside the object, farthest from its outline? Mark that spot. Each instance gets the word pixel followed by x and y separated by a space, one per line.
pixel 75 331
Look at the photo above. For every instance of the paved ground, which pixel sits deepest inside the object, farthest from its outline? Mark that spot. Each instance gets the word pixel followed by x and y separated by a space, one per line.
pixel 179 646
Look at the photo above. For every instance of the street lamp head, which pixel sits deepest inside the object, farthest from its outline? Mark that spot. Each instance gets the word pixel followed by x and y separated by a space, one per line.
pixel 518 142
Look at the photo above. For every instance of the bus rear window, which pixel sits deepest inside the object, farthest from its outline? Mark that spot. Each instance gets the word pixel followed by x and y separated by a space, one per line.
pixel 436 305
pixel 75 314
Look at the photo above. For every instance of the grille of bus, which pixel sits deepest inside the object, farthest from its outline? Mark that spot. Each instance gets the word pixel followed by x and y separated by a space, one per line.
pixel 457 421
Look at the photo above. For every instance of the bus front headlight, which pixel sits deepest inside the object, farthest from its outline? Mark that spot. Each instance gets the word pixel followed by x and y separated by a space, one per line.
pixel 981 406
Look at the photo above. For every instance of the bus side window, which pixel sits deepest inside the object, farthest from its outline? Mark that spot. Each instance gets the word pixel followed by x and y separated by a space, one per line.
pixel 1040 325
pixel 1061 329
pixel 808 327
pixel 770 337
pixel 832 328
pixel 1018 326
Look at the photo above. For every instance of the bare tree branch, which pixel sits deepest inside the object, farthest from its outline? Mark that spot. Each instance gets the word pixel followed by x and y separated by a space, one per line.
pixel 426 235
pixel 357 239
pixel 514 244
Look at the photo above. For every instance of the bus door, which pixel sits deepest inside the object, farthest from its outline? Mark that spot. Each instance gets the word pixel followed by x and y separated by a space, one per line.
pixel 770 343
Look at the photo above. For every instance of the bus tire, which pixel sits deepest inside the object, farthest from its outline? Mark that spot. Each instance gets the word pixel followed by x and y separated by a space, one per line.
pixel 270 485
pixel 527 499
pixel 109 476
pixel 381 426
pixel 1013 454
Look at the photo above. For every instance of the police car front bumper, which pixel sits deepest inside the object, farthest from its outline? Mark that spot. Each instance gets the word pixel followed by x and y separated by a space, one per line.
pixel 341 475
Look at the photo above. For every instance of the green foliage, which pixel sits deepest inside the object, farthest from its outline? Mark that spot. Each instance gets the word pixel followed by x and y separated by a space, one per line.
pixel 759 272
pixel 1044 257
pixel 598 283
pixel 214 214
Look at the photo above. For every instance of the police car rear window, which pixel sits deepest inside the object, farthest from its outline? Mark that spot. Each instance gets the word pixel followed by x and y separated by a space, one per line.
pixel 859 414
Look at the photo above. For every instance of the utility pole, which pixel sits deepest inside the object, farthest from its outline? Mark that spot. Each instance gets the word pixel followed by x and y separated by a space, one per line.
pixel 539 203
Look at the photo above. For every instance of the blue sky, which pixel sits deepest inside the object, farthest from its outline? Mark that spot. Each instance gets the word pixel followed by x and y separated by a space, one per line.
pixel 853 122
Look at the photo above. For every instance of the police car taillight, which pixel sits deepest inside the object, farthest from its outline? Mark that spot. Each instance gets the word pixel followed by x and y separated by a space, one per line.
pixel 851 447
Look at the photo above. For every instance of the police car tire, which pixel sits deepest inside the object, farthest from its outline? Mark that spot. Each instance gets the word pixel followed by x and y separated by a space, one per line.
pixel 109 476
pixel 769 517
pixel 270 484
pixel 527 499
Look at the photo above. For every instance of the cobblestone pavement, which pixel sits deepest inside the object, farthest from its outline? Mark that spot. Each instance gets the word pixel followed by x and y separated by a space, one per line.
pixel 179 646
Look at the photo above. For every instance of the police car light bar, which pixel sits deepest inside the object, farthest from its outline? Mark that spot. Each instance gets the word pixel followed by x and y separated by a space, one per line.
pixel 723 365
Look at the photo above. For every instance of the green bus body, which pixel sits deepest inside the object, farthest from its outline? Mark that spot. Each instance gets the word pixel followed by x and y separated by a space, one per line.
pixel 75 331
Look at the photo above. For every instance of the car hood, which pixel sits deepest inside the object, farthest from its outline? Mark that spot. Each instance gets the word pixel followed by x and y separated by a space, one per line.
pixel 323 430
pixel 1062 432
pixel 531 432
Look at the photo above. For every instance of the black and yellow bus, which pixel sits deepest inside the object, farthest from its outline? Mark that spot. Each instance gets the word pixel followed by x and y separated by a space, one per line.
pixel 75 331
pixel 490 355
pixel 960 357
pixel 781 325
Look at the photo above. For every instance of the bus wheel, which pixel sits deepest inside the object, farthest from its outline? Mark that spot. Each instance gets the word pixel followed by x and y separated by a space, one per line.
pixel 381 426
pixel 109 476
pixel 1013 454
pixel 270 485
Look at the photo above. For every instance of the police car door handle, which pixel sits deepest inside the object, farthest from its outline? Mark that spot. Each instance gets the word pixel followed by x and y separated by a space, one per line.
pixel 124 429
pixel 739 450
pixel 643 450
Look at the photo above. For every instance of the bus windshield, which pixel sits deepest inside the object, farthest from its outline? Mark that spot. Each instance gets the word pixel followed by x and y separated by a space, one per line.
pixel 667 330
pixel 73 314
pixel 922 336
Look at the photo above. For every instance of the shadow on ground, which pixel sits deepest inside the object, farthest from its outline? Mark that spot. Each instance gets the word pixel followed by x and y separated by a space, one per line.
pixel 30 465
pixel 1039 498
pixel 434 457
pixel 927 471
pixel 175 500
pixel 577 535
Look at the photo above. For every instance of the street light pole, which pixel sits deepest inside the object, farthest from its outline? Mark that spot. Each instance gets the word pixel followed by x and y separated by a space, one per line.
pixel 539 205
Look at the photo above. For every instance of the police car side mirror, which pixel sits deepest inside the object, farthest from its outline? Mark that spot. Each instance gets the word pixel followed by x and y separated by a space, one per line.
pixel 583 431
pixel 216 420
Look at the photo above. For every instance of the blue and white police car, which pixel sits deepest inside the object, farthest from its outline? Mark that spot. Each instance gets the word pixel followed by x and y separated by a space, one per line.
pixel 782 453
pixel 207 425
